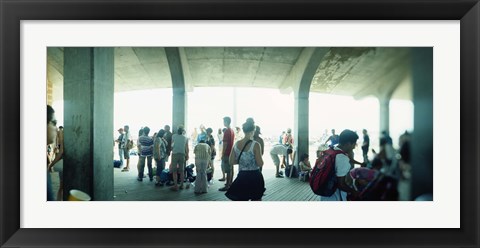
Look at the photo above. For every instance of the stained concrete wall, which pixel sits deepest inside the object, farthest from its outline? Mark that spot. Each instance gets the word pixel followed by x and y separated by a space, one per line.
pixel 88 119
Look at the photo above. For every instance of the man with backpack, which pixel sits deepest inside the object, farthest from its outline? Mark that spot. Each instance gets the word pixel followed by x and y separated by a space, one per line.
pixel 328 176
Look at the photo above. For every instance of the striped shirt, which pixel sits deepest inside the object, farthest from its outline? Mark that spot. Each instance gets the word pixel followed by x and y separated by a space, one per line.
pixel 202 151
pixel 146 144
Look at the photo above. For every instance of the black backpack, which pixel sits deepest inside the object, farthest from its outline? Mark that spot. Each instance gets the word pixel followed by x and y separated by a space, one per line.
pixel 291 169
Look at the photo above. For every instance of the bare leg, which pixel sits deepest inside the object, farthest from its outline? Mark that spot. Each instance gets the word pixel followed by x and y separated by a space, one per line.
pixel 175 186
pixel 182 178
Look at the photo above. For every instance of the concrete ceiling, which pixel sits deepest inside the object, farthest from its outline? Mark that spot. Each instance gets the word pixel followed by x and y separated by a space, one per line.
pixel 357 72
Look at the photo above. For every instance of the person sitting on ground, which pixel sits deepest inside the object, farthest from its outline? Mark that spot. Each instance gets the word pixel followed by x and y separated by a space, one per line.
pixel 305 166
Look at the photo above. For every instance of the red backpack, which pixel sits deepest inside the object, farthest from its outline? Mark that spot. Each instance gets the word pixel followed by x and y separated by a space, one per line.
pixel 323 179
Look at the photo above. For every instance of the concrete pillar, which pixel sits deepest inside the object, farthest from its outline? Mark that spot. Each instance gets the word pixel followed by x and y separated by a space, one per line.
pixel 88 118
pixel 178 86
pixel 384 102
pixel 302 74
pixel 301 125
pixel 179 109
pixel 422 137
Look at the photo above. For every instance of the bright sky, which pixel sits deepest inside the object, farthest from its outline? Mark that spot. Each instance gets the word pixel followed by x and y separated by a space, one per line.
pixel 271 110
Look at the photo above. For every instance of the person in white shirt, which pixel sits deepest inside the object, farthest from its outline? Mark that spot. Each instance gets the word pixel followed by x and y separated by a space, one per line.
pixel 276 151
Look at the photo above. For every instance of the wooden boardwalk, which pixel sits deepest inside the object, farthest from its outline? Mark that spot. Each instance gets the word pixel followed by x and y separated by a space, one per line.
pixel 127 188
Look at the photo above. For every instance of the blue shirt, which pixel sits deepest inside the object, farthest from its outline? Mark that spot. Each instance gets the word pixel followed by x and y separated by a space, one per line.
pixel 202 136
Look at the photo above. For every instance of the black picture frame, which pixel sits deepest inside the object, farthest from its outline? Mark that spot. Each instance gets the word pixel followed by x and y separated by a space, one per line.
pixel 13 11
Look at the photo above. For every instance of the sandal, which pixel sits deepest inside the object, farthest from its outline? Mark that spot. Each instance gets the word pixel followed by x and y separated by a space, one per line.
pixel 125 169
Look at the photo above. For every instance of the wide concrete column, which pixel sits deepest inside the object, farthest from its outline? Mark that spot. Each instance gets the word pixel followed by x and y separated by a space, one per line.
pixel 384 102
pixel 422 137
pixel 88 118
pixel 301 77
pixel 301 125
pixel 178 86
pixel 179 106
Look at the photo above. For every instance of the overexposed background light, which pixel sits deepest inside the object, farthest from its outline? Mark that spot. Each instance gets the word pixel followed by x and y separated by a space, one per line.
pixel 271 110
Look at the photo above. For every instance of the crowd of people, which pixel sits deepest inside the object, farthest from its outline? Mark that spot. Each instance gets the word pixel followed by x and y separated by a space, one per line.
pixel 170 152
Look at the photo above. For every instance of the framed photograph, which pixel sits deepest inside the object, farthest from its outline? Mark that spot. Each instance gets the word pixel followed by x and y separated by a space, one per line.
pixel 94 23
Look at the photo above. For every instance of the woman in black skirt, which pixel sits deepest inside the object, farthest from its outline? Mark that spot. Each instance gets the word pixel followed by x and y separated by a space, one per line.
pixel 249 184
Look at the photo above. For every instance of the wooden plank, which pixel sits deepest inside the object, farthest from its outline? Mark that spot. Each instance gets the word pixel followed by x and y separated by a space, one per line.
pixel 127 188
